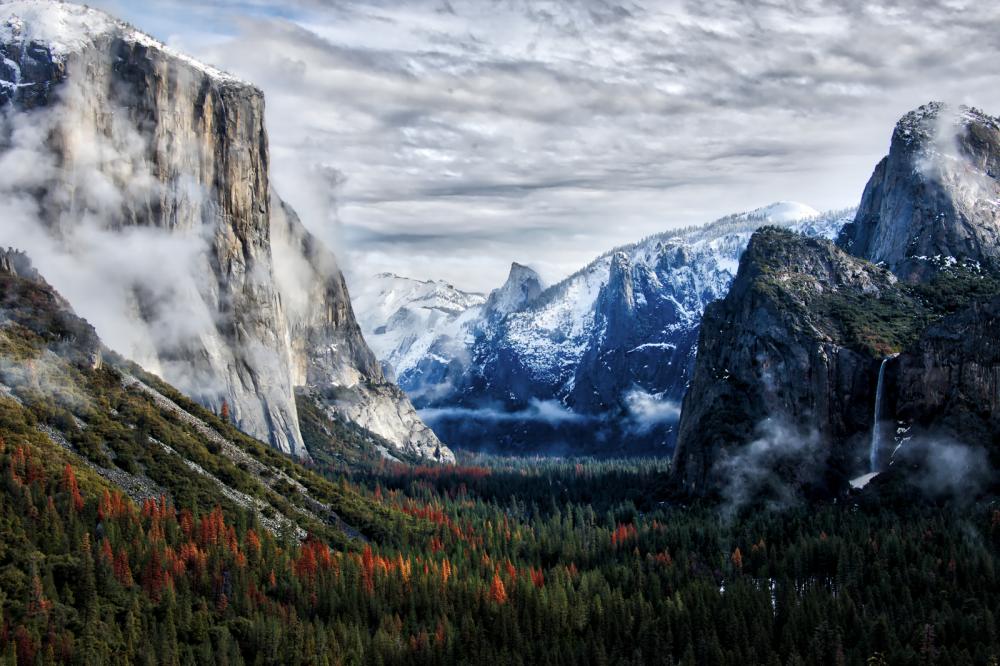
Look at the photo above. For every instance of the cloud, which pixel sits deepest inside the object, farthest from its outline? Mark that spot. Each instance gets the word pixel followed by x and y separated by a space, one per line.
pixel 943 468
pixel 141 287
pixel 47 376
pixel 547 411
pixel 774 470
pixel 647 411
pixel 603 120
pixel 945 160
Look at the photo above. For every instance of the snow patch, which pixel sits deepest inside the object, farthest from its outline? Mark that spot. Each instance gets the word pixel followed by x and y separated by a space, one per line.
pixel 67 28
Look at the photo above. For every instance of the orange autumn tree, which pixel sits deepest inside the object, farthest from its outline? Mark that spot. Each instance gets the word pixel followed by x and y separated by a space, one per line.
pixel 498 593
pixel 368 569
pixel 73 488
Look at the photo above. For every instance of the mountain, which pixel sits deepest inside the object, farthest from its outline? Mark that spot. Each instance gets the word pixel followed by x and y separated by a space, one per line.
pixel 67 399
pixel 786 361
pixel 397 313
pixel 817 351
pixel 598 362
pixel 935 197
pixel 138 182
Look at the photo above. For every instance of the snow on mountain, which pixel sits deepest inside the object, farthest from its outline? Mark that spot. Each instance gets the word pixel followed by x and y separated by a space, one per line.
pixel 787 211
pixel 63 27
pixel 620 333
pixel 67 28
pixel 683 269
pixel 403 318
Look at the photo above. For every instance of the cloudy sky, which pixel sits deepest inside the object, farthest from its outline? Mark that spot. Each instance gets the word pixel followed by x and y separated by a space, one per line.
pixel 446 138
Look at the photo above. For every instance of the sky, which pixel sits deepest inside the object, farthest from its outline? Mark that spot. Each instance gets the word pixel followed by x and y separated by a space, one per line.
pixel 447 138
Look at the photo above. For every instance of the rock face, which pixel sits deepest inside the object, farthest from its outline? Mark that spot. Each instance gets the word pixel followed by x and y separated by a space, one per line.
pixel 330 360
pixel 778 348
pixel 934 199
pixel 948 383
pixel 148 205
pixel 523 285
pixel 176 148
pixel 801 337
pixel 598 362
pixel 327 346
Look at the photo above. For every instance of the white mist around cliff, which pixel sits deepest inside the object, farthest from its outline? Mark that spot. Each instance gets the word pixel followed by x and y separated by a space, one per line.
pixel 67 196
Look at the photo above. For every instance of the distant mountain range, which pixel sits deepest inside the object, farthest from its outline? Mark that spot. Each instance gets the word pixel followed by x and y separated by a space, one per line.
pixel 596 363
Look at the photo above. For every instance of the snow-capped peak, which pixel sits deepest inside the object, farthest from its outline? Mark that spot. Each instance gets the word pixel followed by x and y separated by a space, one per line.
pixel 67 28
pixel 64 27
pixel 786 211
pixel 522 286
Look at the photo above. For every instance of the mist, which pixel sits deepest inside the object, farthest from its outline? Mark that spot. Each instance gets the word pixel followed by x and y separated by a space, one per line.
pixel 942 468
pixel 648 411
pixel 72 219
pixel 773 469
pixel 547 411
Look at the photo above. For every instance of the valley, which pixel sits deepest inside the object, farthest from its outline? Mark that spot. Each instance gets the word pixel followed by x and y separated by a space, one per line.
pixel 496 559
pixel 772 438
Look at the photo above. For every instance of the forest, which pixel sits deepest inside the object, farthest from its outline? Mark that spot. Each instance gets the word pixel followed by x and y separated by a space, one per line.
pixel 505 561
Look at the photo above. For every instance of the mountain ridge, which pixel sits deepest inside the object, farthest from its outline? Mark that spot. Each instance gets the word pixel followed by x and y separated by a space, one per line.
pixel 153 170
pixel 522 366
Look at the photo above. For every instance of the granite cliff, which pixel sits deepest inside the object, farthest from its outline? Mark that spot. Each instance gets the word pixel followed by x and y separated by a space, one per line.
pixel 865 349
pixel 139 184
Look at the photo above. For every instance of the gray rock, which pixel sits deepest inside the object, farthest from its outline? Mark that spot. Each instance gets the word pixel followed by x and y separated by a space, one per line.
pixel 935 199
pixel 523 285
pixel 328 353
pixel 142 139
pixel 948 383
pixel 774 348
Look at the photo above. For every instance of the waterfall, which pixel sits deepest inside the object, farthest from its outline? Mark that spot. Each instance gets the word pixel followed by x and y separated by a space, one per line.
pixel 876 430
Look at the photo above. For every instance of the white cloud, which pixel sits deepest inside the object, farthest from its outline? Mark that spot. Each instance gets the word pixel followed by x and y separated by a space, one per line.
pixel 141 287
pixel 548 411
pixel 647 411
pixel 470 132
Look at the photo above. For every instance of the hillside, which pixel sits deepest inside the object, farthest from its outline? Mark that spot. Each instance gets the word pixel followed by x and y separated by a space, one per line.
pixel 68 398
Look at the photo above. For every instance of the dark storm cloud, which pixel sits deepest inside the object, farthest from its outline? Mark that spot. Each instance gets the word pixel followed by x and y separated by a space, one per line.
pixel 473 132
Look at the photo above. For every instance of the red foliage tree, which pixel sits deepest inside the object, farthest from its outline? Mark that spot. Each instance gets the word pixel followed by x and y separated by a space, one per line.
pixel 73 488
pixel 368 569
pixel 537 577
pixel 122 570
pixel 498 593
pixel 153 579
